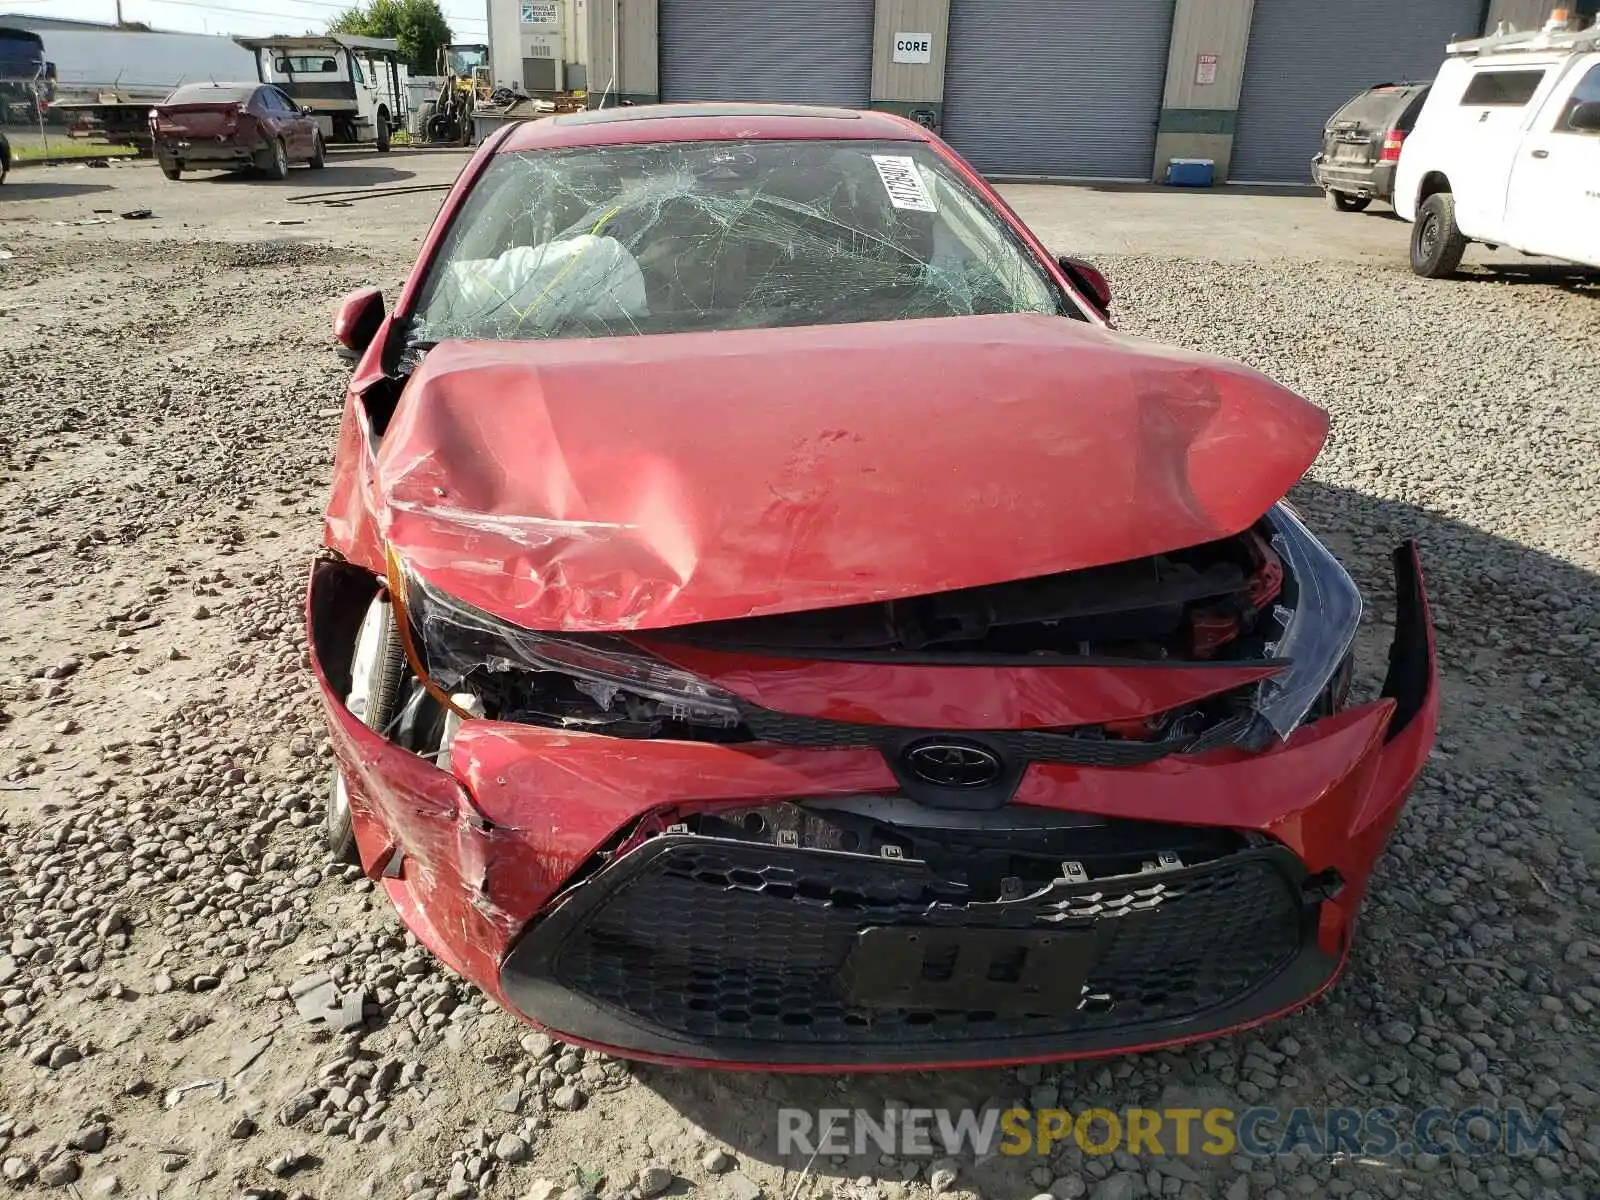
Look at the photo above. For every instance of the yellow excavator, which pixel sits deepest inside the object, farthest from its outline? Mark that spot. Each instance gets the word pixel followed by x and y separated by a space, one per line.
pixel 465 68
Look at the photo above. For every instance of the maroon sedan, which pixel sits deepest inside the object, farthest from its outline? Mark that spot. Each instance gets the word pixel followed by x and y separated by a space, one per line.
pixel 233 126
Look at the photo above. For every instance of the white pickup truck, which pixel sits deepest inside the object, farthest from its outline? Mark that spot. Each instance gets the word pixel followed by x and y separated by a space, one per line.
pixel 1506 151
pixel 353 86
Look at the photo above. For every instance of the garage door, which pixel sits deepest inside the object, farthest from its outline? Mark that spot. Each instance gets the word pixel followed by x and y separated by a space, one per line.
pixel 1071 88
pixel 1307 57
pixel 799 51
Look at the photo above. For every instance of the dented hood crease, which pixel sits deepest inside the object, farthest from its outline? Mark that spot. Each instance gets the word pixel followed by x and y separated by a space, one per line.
pixel 645 482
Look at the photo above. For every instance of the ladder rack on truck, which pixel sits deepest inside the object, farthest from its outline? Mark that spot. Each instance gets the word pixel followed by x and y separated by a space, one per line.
pixel 1540 41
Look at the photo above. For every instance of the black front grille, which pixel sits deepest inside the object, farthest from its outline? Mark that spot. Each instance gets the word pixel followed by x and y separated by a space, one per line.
pixel 718 948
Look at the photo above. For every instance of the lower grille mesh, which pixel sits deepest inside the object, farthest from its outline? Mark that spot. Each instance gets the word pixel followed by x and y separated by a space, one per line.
pixel 715 939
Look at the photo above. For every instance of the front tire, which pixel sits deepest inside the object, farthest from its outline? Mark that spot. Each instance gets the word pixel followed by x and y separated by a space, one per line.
pixel 1437 242
pixel 173 172
pixel 1345 202
pixel 383 131
pixel 377 669
pixel 319 153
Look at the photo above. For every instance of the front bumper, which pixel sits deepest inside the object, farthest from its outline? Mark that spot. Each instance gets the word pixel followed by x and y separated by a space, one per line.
pixel 527 869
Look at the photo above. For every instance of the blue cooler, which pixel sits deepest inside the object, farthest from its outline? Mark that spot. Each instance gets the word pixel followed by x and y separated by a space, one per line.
pixel 1190 172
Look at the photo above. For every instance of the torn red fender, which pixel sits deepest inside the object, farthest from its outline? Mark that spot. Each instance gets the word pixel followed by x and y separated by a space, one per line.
pixel 558 797
pixel 956 697
pixel 547 483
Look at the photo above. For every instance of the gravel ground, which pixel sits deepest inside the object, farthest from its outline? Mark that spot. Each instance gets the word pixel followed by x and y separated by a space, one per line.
pixel 168 918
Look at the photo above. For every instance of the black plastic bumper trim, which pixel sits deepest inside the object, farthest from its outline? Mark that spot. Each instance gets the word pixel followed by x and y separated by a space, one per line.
pixel 527 980
pixel 1410 675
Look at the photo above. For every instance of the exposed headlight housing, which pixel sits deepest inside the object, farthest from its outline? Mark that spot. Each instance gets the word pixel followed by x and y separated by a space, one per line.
pixel 463 648
pixel 1317 624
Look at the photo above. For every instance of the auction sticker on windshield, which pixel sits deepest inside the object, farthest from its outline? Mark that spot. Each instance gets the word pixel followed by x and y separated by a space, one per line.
pixel 903 182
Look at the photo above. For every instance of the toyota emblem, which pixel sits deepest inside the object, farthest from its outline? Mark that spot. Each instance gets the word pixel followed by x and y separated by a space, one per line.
pixel 953 764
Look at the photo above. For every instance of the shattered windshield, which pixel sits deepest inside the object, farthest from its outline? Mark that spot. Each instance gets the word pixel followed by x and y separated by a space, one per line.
pixel 683 236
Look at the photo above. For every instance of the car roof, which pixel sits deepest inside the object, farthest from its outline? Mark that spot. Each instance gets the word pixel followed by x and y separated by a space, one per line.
pixel 242 85
pixel 643 123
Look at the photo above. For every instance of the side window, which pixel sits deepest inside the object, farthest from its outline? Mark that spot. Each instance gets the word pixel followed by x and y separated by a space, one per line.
pixel 1501 89
pixel 1408 118
pixel 283 102
pixel 1587 92
pixel 355 69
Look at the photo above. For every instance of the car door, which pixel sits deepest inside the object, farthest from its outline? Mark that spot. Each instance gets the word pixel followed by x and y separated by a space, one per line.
pixel 290 125
pixel 1490 121
pixel 267 114
pixel 303 144
pixel 1554 205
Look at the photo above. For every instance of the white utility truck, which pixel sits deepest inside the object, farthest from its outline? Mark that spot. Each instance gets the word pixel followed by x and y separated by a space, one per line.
pixel 1506 151
pixel 353 86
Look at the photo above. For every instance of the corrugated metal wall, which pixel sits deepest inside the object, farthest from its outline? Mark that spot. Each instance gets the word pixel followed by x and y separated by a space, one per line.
pixel 799 51
pixel 1069 87
pixel 1307 57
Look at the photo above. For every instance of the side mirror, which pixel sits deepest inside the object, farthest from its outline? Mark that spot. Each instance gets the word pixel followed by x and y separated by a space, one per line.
pixel 356 321
pixel 1585 117
pixel 1089 280
pixel 307 111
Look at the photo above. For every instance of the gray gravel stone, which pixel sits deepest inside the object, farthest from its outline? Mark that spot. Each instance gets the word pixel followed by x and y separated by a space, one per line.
pixel 567 1098
pixel 511 1148
pixel 1398 1032
pixel 16 1170
pixel 510 1102
pixel 90 1138
pixel 1124 1185
pixel 59 1173
pixel 654 1179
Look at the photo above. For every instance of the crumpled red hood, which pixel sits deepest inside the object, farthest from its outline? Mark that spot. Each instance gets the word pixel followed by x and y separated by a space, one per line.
pixel 642 482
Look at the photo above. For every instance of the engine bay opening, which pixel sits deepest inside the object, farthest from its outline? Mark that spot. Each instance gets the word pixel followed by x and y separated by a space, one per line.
pixel 1225 602
pixel 1270 597
pixel 1197 604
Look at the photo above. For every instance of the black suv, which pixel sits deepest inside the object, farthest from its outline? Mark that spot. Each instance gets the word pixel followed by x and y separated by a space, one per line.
pixel 1361 144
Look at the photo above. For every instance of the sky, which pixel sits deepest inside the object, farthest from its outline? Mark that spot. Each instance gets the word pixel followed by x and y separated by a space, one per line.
pixel 468 18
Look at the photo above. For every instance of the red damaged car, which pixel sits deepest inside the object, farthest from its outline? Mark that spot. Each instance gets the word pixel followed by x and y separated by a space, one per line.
pixel 770 619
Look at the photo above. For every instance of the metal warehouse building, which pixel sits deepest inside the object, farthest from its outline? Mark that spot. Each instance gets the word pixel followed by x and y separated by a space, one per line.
pixel 1108 89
